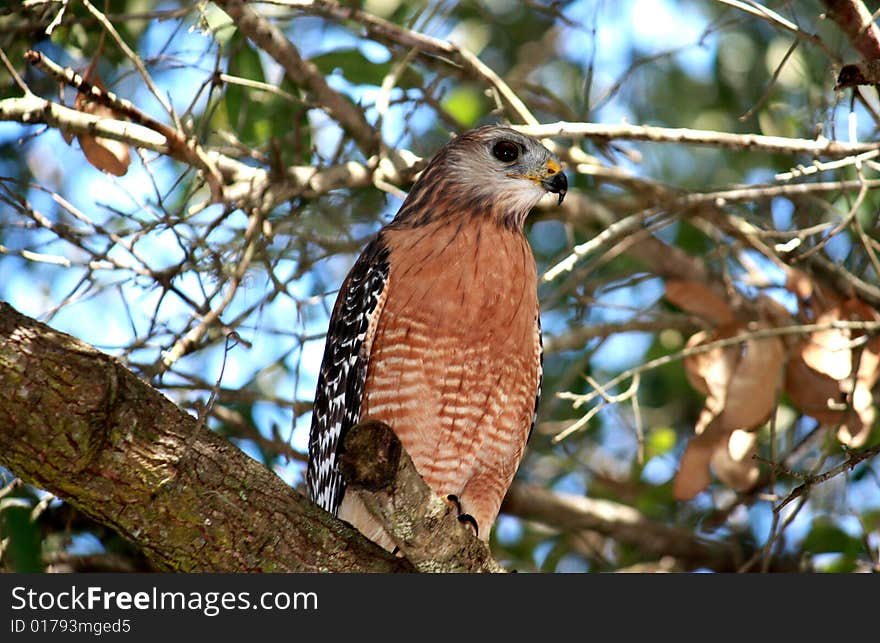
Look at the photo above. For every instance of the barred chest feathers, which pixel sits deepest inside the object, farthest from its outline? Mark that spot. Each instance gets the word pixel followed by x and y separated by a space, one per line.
pixel 454 361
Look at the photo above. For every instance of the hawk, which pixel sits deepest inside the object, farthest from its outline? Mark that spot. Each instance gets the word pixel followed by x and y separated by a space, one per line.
pixel 435 331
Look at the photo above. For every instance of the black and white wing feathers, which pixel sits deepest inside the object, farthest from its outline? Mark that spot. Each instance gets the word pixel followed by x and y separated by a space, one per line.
pixel 343 372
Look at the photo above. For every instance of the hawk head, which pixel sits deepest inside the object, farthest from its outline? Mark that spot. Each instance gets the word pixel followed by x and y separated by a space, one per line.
pixel 491 172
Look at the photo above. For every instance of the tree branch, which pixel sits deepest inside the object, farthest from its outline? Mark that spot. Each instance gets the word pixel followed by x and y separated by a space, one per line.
pixel 73 421
pixel 31 109
pixel 77 423
pixel 678 135
pixel 426 530
pixel 624 524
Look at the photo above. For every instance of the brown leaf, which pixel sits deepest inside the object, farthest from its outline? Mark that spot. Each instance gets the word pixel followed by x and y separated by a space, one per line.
pixel 772 313
pixel 104 154
pixel 813 298
pixel 698 299
pixel 741 384
pixel 732 462
pixel 855 431
pixel 799 283
pixel 693 469
pixel 810 391
pixel 698 366
pixel 820 381
pixel 751 396
pixel 828 351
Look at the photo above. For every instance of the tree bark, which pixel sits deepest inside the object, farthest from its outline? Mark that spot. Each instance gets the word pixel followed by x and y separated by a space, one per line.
pixel 75 422
pixel 424 526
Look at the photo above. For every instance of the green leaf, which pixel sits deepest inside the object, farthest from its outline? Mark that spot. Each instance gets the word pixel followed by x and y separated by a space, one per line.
pixel 826 537
pixel 244 106
pixel 465 105
pixel 659 441
pixel 23 549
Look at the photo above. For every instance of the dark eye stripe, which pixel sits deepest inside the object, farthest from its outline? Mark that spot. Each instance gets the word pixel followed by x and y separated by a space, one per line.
pixel 506 151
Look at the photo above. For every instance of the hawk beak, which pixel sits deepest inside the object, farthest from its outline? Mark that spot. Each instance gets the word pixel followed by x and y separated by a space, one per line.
pixel 554 180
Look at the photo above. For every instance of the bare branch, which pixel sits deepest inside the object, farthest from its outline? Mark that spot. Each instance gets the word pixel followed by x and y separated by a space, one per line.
pixel 624 524
pixel 754 142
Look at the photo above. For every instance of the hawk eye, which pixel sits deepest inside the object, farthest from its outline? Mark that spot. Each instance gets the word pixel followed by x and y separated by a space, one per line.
pixel 506 151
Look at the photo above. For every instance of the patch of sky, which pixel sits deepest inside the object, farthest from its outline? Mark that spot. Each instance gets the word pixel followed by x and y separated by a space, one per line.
pixel 10 131
pixel 772 273
pixel 508 530
pixel 326 134
pixel 626 349
pixel 619 440
pixel 269 416
pixel 838 247
pixel 374 52
pixel 782 211
pixel 547 237
pixel 541 552
pixel 175 58
pixel 659 469
pixel 616 303
pixel 113 331
pixel 314 36
pixel 17 287
pixel 84 544
pixel 761 521
pixel 572 483
pixel 657 27
pixel 865 492
pixel 572 564
pixel 309 363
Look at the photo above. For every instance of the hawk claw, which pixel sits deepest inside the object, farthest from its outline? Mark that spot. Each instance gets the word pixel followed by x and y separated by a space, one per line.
pixel 467 519
pixel 463 518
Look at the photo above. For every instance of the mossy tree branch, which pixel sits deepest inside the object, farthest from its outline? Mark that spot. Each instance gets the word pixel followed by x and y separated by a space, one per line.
pixel 424 526
pixel 75 422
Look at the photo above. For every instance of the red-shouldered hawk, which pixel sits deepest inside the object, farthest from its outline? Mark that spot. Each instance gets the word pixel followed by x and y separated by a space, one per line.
pixel 436 331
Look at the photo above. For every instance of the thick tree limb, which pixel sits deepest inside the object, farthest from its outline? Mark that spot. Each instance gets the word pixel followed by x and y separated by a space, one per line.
pixel 620 522
pixel 423 525
pixel 625 525
pixel 75 422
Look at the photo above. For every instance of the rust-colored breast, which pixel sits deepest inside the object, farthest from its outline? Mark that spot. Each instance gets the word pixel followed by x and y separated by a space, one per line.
pixel 454 361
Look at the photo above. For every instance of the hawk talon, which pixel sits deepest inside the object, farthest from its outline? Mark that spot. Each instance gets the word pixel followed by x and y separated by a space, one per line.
pixel 463 518
pixel 467 519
